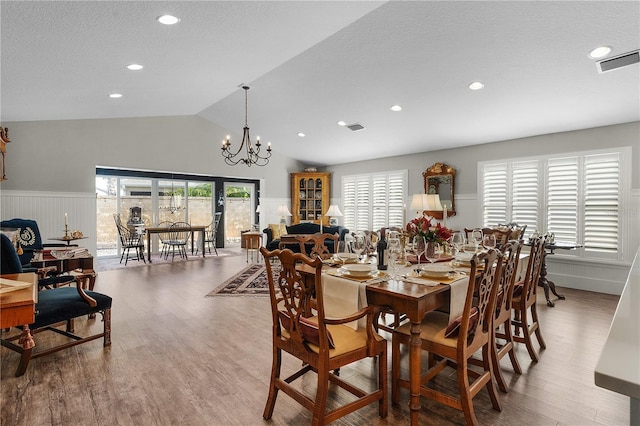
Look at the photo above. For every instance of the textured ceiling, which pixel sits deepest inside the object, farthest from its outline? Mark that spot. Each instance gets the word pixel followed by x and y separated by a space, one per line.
pixel 311 64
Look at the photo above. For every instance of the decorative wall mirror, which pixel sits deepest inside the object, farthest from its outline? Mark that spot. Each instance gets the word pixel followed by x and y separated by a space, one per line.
pixel 440 179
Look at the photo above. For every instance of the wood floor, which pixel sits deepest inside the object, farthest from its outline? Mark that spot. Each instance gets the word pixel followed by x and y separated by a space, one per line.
pixel 179 357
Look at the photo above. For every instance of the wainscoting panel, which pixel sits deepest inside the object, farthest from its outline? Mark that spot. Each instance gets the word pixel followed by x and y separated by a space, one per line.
pixel 48 209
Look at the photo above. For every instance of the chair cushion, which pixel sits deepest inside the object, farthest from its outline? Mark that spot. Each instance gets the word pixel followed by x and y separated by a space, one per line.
pixel 454 328
pixel 309 329
pixel 63 303
pixel 434 326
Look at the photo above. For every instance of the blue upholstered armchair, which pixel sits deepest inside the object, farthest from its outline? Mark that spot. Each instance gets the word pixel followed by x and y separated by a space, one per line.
pixel 54 305
pixel 28 238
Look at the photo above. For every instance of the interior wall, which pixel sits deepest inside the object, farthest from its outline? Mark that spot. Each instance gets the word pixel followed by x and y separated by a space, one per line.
pixel 61 156
pixel 585 275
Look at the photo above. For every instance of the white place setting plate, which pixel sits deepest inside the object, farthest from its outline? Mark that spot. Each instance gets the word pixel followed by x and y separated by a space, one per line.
pixel 434 271
pixel 358 270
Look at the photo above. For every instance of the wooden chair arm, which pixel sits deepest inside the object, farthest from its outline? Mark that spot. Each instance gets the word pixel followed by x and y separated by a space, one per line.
pixel 81 283
pixel 43 272
pixel 367 310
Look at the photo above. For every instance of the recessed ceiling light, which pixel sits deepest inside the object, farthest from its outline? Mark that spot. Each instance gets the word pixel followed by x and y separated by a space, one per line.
pixel 342 123
pixel 396 108
pixel 134 67
pixel 476 85
pixel 600 52
pixel 115 95
pixel 302 135
pixel 167 19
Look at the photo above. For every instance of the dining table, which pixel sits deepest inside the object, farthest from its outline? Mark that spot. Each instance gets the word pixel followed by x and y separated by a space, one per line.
pixel 407 292
pixel 162 229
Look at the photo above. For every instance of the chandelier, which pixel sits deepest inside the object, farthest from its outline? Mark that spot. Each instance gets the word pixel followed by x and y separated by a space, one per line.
pixel 175 202
pixel 253 153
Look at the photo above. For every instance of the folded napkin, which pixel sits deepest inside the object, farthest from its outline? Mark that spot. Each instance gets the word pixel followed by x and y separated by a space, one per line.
pixel 343 297
pixel 458 289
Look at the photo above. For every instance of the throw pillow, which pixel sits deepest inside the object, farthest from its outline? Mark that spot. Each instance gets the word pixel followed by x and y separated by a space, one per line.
pixel 309 329
pixel 277 230
pixel 454 327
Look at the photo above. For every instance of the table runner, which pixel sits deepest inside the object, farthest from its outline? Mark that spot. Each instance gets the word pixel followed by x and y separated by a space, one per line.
pixel 343 296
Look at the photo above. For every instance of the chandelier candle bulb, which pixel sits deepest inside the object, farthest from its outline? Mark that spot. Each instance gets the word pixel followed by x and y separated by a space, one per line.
pixel 66 220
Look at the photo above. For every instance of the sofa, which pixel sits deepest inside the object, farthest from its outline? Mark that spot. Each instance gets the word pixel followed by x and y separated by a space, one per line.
pixel 273 234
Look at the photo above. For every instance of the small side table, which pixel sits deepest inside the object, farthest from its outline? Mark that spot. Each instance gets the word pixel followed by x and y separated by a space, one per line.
pixel 253 242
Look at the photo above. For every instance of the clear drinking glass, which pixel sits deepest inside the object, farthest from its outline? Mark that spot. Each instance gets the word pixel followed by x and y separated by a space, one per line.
pixel 359 244
pixel 458 241
pixel 476 236
pixel 343 252
pixel 394 250
pixel 489 241
pixel 419 246
pixel 433 251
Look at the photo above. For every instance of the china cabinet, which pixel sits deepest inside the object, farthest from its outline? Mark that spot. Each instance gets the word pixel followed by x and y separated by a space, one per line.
pixel 310 197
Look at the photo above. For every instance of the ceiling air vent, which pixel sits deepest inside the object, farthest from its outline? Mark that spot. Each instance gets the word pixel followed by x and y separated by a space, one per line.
pixel 355 127
pixel 620 61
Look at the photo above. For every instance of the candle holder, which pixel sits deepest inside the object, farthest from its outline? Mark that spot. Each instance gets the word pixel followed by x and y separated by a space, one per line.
pixel 66 231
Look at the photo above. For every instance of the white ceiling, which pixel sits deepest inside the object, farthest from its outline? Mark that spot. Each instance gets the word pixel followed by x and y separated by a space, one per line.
pixel 311 64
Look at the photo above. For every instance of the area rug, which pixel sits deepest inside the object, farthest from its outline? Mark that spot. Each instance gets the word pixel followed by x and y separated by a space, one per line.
pixel 251 281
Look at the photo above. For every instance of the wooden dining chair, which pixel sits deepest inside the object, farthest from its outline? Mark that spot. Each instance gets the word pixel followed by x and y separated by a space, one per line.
pixel 130 239
pixel 315 245
pixel 452 343
pixel 525 312
pixel 502 321
pixel 300 328
pixel 163 237
pixel 502 235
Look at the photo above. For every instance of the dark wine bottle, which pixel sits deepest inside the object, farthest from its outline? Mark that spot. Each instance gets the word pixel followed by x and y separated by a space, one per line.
pixel 383 260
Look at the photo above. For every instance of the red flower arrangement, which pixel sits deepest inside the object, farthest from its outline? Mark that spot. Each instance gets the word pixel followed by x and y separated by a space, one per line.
pixel 423 226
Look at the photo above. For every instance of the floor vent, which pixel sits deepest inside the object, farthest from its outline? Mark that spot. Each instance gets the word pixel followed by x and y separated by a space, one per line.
pixel 355 127
pixel 620 61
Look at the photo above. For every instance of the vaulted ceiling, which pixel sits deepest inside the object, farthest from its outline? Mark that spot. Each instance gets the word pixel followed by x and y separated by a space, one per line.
pixel 311 64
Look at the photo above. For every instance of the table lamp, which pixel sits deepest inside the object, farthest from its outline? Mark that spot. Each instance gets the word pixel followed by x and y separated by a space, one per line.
pixel 333 213
pixel 418 203
pixel 283 211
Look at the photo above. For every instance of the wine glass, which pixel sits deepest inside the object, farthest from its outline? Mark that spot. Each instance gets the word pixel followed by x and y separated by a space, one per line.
pixel 359 244
pixel 458 240
pixel 419 246
pixel 476 237
pixel 433 251
pixel 343 253
pixel 489 241
pixel 394 250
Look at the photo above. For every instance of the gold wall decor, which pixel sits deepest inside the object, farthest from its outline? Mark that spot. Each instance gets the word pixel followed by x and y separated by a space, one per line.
pixel 440 179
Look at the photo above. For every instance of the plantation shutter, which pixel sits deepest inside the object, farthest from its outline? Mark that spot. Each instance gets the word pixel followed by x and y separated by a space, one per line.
pixel 602 202
pixel 373 201
pixel 525 194
pixel 495 194
pixel 562 198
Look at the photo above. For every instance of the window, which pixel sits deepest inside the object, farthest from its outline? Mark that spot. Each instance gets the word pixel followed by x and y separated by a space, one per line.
pixel 579 197
pixel 374 201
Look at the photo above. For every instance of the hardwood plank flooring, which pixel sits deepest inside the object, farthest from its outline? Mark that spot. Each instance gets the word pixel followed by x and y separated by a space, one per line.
pixel 178 357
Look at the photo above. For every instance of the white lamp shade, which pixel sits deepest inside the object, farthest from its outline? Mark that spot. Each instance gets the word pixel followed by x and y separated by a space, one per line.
pixel 432 202
pixel 417 202
pixel 333 211
pixel 283 210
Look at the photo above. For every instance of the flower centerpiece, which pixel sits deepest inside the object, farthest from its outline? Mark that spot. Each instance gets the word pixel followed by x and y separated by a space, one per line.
pixel 423 226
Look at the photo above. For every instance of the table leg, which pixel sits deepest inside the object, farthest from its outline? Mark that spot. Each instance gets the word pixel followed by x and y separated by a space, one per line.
pixel 415 352
pixel 202 236
pixel 547 284
pixel 149 246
